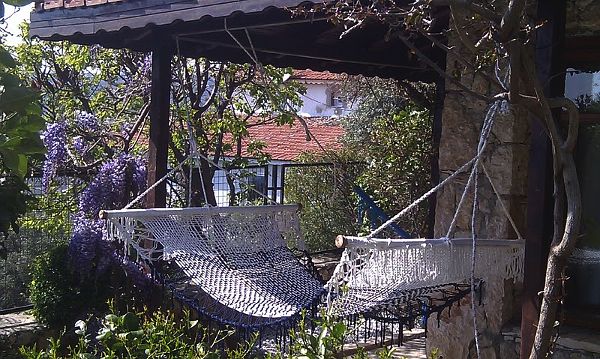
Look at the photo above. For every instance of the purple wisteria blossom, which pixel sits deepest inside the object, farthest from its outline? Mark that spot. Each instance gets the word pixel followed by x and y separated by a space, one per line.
pixel 126 129
pixel 87 122
pixel 140 175
pixel 55 140
pixel 79 145
pixel 117 181
pixel 83 247
pixel 146 69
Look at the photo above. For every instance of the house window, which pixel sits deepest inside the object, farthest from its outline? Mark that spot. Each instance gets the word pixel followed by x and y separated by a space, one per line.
pixel 259 184
pixel 335 100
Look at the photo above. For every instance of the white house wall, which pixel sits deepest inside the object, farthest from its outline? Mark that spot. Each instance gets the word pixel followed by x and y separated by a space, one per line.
pixel 317 100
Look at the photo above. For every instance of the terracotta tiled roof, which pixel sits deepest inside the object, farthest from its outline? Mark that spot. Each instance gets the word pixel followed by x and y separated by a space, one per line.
pixel 316 75
pixel 286 143
pixel 67 4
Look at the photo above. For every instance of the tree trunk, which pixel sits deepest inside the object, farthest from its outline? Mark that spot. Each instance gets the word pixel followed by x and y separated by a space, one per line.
pixel 198 199
pixel 566 228
pixel 232 194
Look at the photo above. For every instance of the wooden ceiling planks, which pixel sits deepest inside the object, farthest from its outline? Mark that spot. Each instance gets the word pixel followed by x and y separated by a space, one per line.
pixel 203 28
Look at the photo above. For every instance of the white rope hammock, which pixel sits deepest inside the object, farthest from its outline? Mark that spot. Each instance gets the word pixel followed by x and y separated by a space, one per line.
pixel 377 273
pixel 239 256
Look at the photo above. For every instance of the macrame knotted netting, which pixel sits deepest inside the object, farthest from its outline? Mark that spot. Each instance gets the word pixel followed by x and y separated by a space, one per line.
pixel 376 273
pixel 238 256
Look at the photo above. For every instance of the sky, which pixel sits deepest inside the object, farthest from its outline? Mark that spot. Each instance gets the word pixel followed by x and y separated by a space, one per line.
pixel 14 17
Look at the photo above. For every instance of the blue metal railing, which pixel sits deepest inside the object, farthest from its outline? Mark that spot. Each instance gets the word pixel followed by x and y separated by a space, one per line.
pixel 375 213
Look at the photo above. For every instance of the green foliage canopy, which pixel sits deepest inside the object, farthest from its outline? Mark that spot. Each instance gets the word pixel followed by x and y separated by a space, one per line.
pixel 20 124
pixel 324 191
pixel 393 136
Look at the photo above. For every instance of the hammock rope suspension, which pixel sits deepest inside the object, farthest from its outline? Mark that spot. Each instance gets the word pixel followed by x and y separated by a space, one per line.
pixel 377 274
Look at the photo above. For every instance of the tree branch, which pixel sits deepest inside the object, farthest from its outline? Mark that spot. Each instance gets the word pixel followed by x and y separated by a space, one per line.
pixel 440 71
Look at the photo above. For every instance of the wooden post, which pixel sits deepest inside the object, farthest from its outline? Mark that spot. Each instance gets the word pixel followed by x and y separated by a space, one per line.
pixel 550 72
pixel 436 135
pixel 159 125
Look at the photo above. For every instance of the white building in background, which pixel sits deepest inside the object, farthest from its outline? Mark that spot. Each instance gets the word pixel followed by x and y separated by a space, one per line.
pixel 323 94
pixel 322 106
pixel 578 84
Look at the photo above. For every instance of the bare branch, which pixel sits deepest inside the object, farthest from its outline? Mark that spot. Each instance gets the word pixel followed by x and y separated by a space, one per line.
pixel 511 20
pixel 573 113
pixel 440 71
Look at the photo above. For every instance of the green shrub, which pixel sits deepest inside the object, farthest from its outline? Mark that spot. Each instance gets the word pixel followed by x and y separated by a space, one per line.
pixel 155 335
pixel 325 193
pixel 325 341
pixel 162 335
pixel 58 297
pixel 396 145
pixel 391 131
pixel 399 155
pixel 51 289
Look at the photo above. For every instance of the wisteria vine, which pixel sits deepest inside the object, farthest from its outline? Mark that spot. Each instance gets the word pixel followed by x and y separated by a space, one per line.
pixel 115 183
pixel 55 139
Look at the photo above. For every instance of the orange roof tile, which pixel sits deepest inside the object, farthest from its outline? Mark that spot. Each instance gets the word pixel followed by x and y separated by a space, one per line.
pixel 316 75
pixel 287 143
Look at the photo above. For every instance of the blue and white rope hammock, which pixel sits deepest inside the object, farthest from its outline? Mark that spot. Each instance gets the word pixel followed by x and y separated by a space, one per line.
pixel 381 274
pixel 234 266
pixel 232 263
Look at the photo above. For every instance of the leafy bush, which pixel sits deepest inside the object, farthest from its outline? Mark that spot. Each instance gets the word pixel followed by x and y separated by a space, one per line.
pixel 46 222
pixel 391 131
pixel 325 195
pixel 588 103
pixel 325 340
pixel 58 297
pixel 20 123
pixel 162 335
pixel 392 138
pixel 131 335
pixel 398 153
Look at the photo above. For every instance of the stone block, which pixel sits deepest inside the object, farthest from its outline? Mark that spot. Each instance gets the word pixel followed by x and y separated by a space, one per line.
pixel 74 3
pixel 95 2
pixel 52 4
pixel 582 18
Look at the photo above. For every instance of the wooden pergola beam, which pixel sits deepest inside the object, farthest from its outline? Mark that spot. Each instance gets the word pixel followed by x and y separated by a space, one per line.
pixel 159 124
pixel 551 72
pixel 582 53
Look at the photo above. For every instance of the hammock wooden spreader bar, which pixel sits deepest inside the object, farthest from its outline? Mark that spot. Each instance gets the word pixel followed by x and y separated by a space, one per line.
pixel 159 212
pixel 390 243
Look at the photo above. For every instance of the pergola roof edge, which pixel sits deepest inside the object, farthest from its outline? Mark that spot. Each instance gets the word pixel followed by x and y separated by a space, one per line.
pixel 61 23
pixel 229 30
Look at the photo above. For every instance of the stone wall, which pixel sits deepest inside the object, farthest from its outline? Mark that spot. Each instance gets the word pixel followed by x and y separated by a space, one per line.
pixel 572 344
pixel 583 18
pixel 506 160
pixel 21 329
